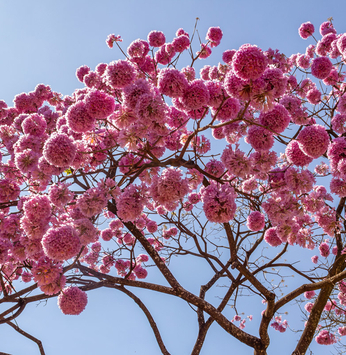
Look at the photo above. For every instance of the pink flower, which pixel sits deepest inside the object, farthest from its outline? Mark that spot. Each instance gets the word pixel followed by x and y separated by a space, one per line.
pixel 306 30
pixel 156 38
pixel 228 55
pixel 325 338
pixel 313 96
pixel 72 300
pixel 314 259
pixel 172 82
pixel 34 124
pixel 218 202
pixel 309 294
pixel 277 119
pixel 61 243
pixel 181 43
pixel 79 119
pixel 59 150
pixel 138 49
pixel 215 168
pixel 204 52
pixel 81 72
pixel 169 188
pixel 86 231
pixel 228 110
pixel 120 73
pixel 92 202
pixel 111 39
pixel 338 187
pixel 249 62
pixel 26 161
pixel 313 140
pixel 271 237
pixel 327 27
pixel 151 226
pixel 99 105
pixel 140 272
pixel 308 306
pixel 256 221
pixel 196 95
pixel 130 203
pixel 324 249
pixel 259 138
pixel 295 155
pixel 165 54
pixel 236 162
pixel 214 35
pixel 59 194
pixel 321 67
pixel 342 331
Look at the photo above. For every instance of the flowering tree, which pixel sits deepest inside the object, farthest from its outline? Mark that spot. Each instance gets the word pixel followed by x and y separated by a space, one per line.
pixel 239 167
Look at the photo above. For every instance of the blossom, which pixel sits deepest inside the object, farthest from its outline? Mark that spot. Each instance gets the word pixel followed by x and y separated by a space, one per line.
pixel 59 194
pixel 156 38
pixel 204 52
pixel 215 168
pixel 81 72
pixel 99 105
pixel 196 95
pixel 79 119
pixel 34 124
pixel 313 96
pixel 169 188
pixel 86 231
pixel 119 74
pixel 214 35
pixel 327 27
pixel 227 55
pixel 72 300
pixel 111 39
pixel 92 202
pixel 255 221
pixel 228 110
pixel 324 249
pixel 313 140
pixel 181 43
pixel 271 237
pixel 236 162
pixel 165 54
pixel 339 123
pixel 27 160
pixel 59 150
pixel 218 202
pixel 61 243
pixel 259 138
pixel 306 30
pixel 130 203
pixel 172 82
pixel 138 49
pixel 309 294
pixel 325 338
pixel 249 62
pixel 321 67
pixel 295 155
pixel 277 119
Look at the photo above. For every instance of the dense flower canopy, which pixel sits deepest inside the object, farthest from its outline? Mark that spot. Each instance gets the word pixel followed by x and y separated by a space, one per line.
pixel 239 165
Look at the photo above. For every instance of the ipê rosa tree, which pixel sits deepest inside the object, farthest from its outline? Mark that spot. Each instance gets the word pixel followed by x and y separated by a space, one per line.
pixel 238 167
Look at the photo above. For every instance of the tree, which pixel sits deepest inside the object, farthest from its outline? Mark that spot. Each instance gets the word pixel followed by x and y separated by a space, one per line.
pixel 175 166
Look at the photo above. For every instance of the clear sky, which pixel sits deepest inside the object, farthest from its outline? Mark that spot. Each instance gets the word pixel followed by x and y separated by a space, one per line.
pixel 44 41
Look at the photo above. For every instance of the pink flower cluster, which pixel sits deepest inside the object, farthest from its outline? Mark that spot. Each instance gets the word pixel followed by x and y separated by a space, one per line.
pixel 72 300
pixel 218 202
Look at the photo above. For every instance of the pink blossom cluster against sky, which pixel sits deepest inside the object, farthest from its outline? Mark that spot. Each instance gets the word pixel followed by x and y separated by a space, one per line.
pixel 45 42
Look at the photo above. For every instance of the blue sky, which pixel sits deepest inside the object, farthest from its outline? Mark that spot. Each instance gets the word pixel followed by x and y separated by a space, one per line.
pixel 44 42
